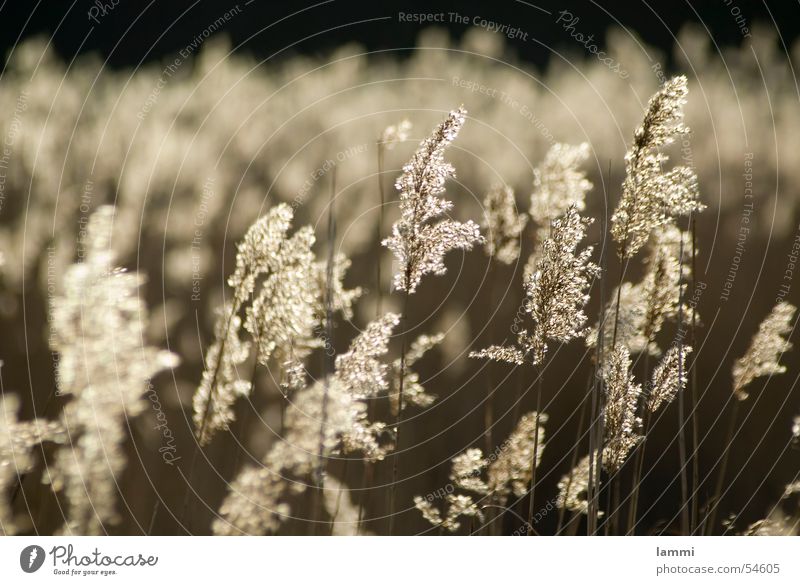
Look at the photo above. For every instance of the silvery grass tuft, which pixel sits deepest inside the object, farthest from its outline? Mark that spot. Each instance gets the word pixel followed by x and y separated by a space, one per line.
pixel 256 501
pixel 766 348
pixel 651 195
pixel 503 224
pixel 669 378
pixel 573 488
pixel 279 286
pixel 17 442
pixel 99 324
pixel 555 293
pixel 646 306
pixel 418 243
pixel 489 480
pixel 622 425
pixel 558 184
pixel 413 391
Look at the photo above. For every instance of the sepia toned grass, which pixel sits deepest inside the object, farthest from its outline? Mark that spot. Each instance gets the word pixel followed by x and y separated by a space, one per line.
pixel 287 308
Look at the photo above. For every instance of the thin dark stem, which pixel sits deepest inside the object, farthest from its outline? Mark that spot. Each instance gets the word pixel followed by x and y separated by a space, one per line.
pixel 711 516
pixel 638 467
pixel 693 393
pixel 488 413
pixel 399 416
pixel 366 482
pixel 573 459
pixel 338 501
pixel 534 464
pixel 596 420
pixel 368 467
pixel 681 407
pixel 328 359
pixel 379 232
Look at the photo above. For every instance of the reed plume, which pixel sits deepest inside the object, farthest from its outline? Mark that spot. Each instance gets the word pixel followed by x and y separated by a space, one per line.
pixel 17 442
pixel 419 245
pixel 492 478
pixel 281 287
pixel 503 224
pixel 99 322
pixel 256 501
pixel 622 425
pixel 766 348
pixel 646 306
pixel 668 378
pixel 558 184
pixel 650 195
pixel 413 391
pixel 573 488
pixel 555 293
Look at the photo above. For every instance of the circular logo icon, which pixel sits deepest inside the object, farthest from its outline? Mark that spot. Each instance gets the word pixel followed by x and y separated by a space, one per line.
pixel 31 558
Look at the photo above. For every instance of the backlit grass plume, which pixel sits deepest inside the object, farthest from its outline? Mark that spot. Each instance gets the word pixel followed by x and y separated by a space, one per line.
pixel 503 224
pixel 99 324
pixel 17 442
pixel 622 425
pixel 279 286
pixel 573 488
pixel 555 293
pixel 419 245
pixel 558 183
pixel 767 346
pixel 646 306
pixel 491 479
pixel 668 378
pixel 413 391
pixel 650 195
pixel 256 502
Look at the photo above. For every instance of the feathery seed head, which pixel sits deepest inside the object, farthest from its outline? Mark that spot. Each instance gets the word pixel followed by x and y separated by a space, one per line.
pixel 420 246
pixel 510 472
pixel 395 134
pixel 767 346
pixel 622 397
pixel 558 183
pixel 573 488
pixel 669 377
pixel 650 196
pixel 466 471
pixel 503 224
pixel 99 322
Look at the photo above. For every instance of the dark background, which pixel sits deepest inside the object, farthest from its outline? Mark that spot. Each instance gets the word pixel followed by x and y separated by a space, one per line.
pixel 138 31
